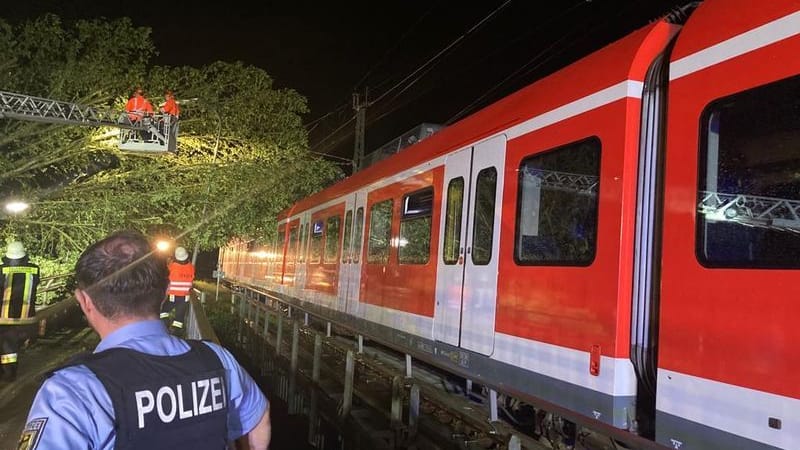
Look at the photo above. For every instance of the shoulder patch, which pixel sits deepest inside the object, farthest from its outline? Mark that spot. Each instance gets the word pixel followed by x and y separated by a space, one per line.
pixel 31 434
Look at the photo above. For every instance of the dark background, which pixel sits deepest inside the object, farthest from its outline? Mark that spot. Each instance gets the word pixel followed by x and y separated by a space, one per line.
pixel 423 61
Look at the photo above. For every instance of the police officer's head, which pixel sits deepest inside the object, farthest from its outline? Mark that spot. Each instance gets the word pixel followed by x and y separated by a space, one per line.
pixel 123 276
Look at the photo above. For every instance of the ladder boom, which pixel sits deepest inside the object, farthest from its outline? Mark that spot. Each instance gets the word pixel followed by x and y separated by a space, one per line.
pixel 26 107
pixel 154 134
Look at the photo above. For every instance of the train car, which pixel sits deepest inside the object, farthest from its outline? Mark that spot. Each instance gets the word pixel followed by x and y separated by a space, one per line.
pixel 617 243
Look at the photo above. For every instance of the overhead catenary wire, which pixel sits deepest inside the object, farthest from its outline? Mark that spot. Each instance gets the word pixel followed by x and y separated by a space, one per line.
pixel 521 71
pixel 542 54
pixel 393 48
pixel 369 71
pixel 435 58
pixel 425 66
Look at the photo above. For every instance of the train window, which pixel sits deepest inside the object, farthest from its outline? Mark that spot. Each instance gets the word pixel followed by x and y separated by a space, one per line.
pixel 380 232
pixel 291 250
pixel 306 239
pixel 452 221
pixel 749 190
pixel 301 254
pixel 357 235
pixel 332 239
pixel 315 252
pixel 483 216
pixel 557 206
pixel 348 228
pixel 414 245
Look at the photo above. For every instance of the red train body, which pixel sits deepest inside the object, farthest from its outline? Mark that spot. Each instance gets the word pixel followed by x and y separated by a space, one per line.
pixel 619 240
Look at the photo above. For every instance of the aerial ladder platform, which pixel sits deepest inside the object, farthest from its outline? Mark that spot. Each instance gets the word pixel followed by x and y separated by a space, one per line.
pixel 152 134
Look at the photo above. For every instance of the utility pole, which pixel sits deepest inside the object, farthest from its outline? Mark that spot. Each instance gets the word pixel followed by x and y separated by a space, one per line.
pixel 360 106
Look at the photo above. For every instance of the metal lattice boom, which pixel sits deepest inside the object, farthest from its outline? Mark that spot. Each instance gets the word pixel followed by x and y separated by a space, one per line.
pixel 565 181
pixel 765 212
pixel 26 107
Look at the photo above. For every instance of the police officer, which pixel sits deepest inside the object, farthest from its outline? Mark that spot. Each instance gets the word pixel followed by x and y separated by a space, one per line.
pixel 18 284
pixel 181 276
pixel 142 388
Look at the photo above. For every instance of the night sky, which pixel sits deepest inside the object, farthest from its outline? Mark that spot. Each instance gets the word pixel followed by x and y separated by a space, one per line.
pixel 328 50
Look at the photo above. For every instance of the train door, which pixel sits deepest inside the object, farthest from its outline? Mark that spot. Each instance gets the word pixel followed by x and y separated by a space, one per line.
pixel 350 268
pixel 466 286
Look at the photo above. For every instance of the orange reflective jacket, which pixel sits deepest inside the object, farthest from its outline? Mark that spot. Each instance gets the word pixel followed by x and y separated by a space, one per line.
pixel 180 278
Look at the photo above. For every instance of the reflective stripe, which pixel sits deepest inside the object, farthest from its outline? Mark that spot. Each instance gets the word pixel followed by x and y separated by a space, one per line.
pixel 9 273
pixel 8 358
pixel 172 298
pixel 177 324
pixel 163 315
pixel 26 296
pixel 10 270
pixel 6 297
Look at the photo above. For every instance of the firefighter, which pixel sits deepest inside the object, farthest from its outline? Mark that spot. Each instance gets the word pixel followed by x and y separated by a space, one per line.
pixel 171 112
pixel 138 106
pixel 18 284
pixel 181 276
pixel 170 106
pixel 139 109
pixel 142 388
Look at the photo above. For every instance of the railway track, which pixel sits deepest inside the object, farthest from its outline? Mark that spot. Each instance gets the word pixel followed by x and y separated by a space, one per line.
pixel 361 389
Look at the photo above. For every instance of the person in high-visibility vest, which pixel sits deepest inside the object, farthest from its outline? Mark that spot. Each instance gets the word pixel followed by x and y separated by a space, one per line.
pixel 138 106
pixel 19 279
pixel 170 106
pixel 181 276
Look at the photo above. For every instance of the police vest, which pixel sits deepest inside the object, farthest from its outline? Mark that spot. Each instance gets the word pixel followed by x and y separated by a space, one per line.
pixel 165 402
pixel 19 283
pixel 181 276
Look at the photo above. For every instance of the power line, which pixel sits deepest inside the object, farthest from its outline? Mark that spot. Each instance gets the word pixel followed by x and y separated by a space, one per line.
pixel 345 105
pixel 394 47
pixel 322 141
pixel 517 73
pixel 443 51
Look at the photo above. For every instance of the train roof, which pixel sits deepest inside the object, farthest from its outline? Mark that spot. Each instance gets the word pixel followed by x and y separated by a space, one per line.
pixel 625 59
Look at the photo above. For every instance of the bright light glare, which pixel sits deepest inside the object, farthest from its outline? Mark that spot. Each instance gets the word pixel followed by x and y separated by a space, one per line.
pixel 16 207
pixel 162 246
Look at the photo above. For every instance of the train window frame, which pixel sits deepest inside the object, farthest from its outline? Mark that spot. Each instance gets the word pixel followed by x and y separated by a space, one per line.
pixel 332 244
pixel 301 254
pixel 291 248
pixel 764 106
pixel 316 242
pixel 384 259
pixel 347 238
pixel 475 228
pixel 306 242
pixel 358 235
pixel 455 234
pixel 572 262
pixel 417 206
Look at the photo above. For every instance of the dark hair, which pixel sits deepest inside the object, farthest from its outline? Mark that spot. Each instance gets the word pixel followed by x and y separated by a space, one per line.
pixel 123 276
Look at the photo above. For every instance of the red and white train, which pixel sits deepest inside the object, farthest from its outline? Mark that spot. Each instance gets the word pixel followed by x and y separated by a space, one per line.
pixel 619 240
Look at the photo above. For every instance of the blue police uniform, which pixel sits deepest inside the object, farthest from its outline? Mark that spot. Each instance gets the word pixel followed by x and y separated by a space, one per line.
pixel 73 410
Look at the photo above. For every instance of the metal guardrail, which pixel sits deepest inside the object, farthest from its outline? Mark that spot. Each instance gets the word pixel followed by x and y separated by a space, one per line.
pixel 197 324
